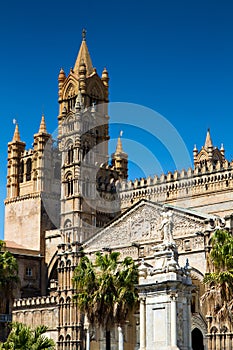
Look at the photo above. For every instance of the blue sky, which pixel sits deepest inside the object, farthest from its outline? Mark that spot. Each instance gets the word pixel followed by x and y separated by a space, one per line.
pixel 174 57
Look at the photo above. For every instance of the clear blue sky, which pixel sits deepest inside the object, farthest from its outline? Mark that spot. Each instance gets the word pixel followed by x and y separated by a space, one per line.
pixel 175 57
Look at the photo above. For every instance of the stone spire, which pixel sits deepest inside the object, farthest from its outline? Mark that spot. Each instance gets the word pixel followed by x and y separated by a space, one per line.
pixel 120 159
pixel 16 136
pixel 84 56
pixel 42 128
pixel 119 148
pixel 208 141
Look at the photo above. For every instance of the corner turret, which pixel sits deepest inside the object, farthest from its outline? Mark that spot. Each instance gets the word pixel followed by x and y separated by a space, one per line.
pixel 15 149
pixel 208 155
pixel 120 160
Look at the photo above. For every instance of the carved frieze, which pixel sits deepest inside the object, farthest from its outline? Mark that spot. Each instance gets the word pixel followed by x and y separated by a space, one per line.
pixel 144 225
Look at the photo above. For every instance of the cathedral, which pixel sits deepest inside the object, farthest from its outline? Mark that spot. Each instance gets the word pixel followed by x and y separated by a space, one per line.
pixel 64 195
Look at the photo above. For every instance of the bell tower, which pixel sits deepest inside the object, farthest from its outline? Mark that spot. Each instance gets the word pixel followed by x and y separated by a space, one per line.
pixel 83 143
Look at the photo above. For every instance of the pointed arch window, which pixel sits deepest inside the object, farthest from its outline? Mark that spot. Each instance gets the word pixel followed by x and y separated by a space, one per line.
pixel 70 154
pixel 86 187
pixel 28 169
pixel 86 124
pixel 86 149
pixel 70 124
pixel 21 171
pixel 69 185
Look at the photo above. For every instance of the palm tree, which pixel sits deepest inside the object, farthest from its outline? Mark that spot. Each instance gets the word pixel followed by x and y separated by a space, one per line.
pixel 106 290
pixel 220 278
pixel 8 276
pixel 23 337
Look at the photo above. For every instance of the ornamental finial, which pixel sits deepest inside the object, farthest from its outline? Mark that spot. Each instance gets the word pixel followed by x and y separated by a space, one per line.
pixel 84 33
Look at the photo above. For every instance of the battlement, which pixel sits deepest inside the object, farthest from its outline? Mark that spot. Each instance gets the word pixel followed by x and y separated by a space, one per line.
pixel 209 172
pixel 180 187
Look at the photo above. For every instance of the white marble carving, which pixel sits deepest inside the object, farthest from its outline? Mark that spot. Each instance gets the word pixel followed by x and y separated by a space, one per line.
pixel 148 224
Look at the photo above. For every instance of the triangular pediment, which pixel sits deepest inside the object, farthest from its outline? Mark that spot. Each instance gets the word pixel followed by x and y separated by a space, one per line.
pixel 141 224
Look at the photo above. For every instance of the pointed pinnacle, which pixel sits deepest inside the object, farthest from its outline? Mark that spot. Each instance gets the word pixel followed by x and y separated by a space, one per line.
pixel 16 136
pixel 119 148
pixel 208 141
pixel 42 128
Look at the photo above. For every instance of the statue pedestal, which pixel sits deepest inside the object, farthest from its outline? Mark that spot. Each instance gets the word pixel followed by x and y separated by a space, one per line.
pixel 165 290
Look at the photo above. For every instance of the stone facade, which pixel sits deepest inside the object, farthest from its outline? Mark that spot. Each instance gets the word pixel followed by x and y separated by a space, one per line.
pixel 65 195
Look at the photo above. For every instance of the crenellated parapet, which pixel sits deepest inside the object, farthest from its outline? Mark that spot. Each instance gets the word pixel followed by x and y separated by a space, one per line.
pixel 177 186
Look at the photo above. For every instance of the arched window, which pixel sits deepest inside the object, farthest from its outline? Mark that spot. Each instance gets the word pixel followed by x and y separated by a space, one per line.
pixel 70 124
pixel 69 185
pixel 67 223
pixel 60 342
pixel 28 169
pixel 86 124
pixel 70 155
pixel 86 149
pixel 21 171
pixel 197 339
pixel 86 187
pixel 68 338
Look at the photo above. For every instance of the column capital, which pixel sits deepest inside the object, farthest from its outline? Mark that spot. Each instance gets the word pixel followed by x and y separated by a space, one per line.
pixel 174 296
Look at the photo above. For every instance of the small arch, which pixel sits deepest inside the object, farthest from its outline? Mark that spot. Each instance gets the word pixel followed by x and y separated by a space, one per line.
pixel 67 223
pixel 197 339
pixel 61 265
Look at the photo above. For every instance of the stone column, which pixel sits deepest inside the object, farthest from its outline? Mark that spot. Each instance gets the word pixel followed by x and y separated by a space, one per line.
pixel 173 321
pixel 218 341
pixel 87 328
pixel 228 341
pixel 120 339
pixel 142 323
pixel 88 339
pixel 189 323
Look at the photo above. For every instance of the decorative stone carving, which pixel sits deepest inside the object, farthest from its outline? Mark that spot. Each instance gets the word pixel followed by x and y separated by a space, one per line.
pixel 144 224
pixel 167 227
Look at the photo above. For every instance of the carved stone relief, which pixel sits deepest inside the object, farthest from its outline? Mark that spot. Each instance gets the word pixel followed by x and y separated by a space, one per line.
pixel 148 224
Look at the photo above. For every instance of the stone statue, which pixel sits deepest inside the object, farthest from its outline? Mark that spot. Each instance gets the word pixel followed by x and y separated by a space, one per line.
pixel 166 226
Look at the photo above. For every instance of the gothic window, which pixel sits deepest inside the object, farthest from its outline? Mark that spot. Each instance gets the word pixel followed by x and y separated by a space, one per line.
pixel 60 342
pixel 69 185
pixel 21 171
pixel 61 318
pixel 70 95
pixel 86 187
pixel 67 223
pixel 70 124
pixel 68 310
pixel 28 169
pixel 71 103
pixel 70 155
pixel 86 124
pixel 67 342
pixel 86 149
pixel 68 237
